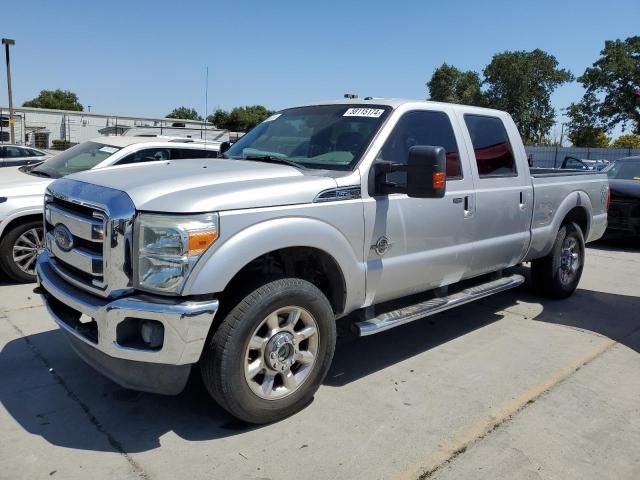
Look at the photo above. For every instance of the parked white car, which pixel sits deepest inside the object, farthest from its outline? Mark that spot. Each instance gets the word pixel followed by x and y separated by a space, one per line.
pixel 22 188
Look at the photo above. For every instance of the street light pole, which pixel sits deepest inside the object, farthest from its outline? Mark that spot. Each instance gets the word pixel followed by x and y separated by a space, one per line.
pixel 7 42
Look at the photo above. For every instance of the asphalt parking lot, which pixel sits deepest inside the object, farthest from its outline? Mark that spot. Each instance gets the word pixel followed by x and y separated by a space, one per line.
pixel 510 387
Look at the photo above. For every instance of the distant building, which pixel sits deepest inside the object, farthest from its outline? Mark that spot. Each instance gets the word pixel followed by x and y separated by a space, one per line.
pixel 39 127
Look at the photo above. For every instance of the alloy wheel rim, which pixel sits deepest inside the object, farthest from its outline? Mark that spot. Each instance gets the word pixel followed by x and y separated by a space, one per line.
pixel 25 250
pixel 281 353
pixel 569 260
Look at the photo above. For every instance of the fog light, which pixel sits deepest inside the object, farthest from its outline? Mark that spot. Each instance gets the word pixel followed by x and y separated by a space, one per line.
pixel 152 333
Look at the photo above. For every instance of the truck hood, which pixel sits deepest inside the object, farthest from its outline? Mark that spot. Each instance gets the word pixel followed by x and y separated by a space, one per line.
pixel 190 186
pixel 16 183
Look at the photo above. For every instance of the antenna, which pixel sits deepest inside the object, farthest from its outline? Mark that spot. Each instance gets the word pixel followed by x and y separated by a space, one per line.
pixel 206 104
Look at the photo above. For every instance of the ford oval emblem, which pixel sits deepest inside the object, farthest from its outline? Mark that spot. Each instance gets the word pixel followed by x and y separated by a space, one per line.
pixel 63 237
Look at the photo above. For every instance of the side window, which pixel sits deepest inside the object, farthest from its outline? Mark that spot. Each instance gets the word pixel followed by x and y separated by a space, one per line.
pixel 187 153
pixel 421 127
pixel 146 155
pixel 573 163
pixel 493 152
pixel 14 152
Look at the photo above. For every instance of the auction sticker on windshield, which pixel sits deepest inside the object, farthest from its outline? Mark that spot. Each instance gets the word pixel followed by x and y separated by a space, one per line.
pixel 106 149
pixel 364 112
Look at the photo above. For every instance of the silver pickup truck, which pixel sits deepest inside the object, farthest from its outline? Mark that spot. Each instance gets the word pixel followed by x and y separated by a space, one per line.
pixel 388 210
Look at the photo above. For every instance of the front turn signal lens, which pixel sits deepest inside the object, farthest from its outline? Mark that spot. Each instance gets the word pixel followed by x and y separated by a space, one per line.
pixel 438 180
pixel 200 241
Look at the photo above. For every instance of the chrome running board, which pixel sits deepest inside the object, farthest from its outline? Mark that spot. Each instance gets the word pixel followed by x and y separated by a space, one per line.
pixel 394 318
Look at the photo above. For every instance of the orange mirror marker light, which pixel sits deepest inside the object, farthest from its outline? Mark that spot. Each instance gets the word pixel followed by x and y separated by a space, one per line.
pixel 438 180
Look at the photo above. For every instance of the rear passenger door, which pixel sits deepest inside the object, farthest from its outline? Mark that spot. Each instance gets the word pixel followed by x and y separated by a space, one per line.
pixel 504 195
pixel 15 156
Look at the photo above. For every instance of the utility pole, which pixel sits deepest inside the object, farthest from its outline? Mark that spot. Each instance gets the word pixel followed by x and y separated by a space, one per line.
pixel 7 42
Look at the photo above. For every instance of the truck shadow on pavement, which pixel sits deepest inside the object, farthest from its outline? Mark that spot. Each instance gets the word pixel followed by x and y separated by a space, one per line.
pixel 51 393
pixel 610 315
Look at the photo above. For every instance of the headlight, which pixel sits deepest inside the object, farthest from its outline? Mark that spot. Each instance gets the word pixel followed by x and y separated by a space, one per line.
pixel 168 246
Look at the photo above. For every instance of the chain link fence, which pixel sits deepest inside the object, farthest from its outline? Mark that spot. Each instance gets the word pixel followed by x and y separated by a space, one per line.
pixel 552 157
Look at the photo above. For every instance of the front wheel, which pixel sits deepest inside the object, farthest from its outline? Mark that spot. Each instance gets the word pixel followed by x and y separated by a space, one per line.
pixel 557 275
pixel 19 249
pixel 271 352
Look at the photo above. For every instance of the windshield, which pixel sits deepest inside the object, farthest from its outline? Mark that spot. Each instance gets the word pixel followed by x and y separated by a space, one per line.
pixel 624 169
pixel 77 159
pixel 330 137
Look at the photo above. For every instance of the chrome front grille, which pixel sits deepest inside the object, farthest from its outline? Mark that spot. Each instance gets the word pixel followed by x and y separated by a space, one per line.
pixel 88 234
pixel 83 264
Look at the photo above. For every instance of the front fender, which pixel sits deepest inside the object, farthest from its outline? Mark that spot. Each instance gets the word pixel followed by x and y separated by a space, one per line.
pixel 220 264
pixel 16 214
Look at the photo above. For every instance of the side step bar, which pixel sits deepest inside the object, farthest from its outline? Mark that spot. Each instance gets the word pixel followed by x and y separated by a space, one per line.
pixel 394 318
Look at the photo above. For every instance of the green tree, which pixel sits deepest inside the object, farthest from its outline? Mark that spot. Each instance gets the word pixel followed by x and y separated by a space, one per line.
pixel 627 141
pixel 240 119
pixel 615 79
pixel 448 84
pixel 522 83
pixel 184 113
pixel 585 128
pixel 220 118
pixel 55 100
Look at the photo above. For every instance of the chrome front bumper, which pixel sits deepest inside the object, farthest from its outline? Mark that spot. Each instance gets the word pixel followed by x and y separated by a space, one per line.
pixel 186 326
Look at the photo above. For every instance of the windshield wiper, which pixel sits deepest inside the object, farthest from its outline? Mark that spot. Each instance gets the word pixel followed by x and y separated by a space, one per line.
pixel 272 159
pixel 39 173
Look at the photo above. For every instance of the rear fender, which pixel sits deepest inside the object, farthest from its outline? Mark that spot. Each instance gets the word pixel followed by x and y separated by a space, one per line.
pixel 546 223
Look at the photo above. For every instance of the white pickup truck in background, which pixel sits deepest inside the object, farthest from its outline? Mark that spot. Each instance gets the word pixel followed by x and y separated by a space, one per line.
pixel 390 210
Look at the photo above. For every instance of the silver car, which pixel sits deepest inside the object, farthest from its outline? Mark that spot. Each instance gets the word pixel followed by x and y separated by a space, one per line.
pixel 18 155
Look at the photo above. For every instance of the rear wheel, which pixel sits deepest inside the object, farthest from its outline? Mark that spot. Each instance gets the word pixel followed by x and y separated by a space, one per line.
pixel 557 275
pixel 19 249
pixel 271 352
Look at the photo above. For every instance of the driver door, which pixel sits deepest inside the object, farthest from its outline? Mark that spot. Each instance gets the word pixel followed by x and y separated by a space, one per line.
pixel 418 244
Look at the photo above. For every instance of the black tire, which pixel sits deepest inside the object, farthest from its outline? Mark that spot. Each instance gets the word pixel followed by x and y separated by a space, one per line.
pixel 7 243
pixel 549 277
pixel 226 353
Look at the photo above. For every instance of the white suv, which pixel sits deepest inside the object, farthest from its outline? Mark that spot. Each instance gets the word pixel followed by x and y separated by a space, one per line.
pixel 22 188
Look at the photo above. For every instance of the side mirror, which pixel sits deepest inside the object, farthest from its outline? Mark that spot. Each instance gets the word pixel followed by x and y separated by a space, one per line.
pixel 224 146
pixel 426 172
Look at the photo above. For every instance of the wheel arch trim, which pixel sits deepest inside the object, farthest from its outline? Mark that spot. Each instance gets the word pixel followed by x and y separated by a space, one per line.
pixel 17 217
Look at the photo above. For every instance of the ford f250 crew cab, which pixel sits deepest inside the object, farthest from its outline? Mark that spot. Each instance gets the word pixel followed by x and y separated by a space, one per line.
pixel 388 210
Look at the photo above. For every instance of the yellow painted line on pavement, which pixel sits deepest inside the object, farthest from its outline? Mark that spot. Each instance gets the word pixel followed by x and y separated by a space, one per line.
pixel 482 427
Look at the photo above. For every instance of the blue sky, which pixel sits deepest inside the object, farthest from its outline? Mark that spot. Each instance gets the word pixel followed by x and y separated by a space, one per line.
pixel 146 57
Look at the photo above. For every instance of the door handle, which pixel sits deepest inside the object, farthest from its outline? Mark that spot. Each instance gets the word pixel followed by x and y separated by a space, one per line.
pixel 468 207
pixel 522 204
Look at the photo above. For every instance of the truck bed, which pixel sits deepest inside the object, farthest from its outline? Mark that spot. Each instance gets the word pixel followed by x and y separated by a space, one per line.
pixel 558 172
